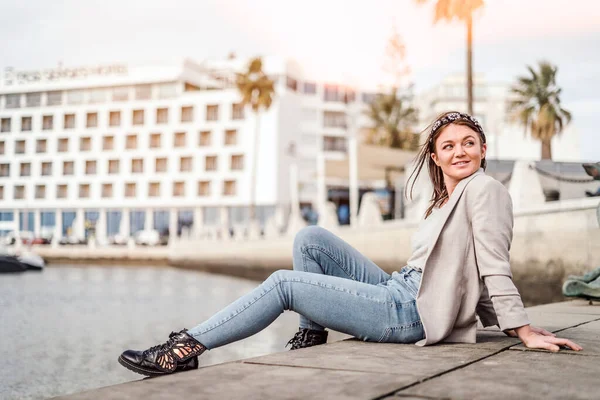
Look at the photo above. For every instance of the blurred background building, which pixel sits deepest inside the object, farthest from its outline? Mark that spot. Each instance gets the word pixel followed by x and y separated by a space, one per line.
pixel 116 149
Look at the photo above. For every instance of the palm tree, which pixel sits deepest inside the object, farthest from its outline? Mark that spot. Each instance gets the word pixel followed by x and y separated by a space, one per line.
pixel 257 91
pixel 537 106
pixel 463 11
pixel 392 122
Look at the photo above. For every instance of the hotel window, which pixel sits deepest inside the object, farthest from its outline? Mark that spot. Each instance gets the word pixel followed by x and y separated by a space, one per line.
pixel 90 167
pixel 179 139
pixel 309 88
pixel 47 168
pixel 84 190
pixel 143 92
pixel 19 193
pixel 114 118
pixel 47 122
pixel 130 189
pixel 204 139
pixel 5 125
pixel 33 99
pixel 41 146
pixel 108 143
pixel 137 166
pixel 230 137
pixel 204 188
pixel 75 96
pixel 25 124
pixel 160 165
pixel 178 189
pixel 167 90
pixel 85 144
pixel 13 100
pixel 5 170
pixel 334 143
pixel 20 147
pixel 154 189
pixel 237 111
pixel 97 95
pixel 91 120
pixel 291 83
pixel 54 98
pixel 332 93
pixel 187 114
pixel 25 169
pixel 185 164
pixel 61 191
pixel 40 191
pixel 69 122
pixel 162 115
pixel 155 139
pixel 120 93
pixel 211 163
pixel 138 117
pixel 63 145
pixel 334 119
pixel 229 188
pixel 2 147
pixel 212 112
pixel 68 167
pixel 107 190
pixel 131 142
pixel 113 166
pixel 237 162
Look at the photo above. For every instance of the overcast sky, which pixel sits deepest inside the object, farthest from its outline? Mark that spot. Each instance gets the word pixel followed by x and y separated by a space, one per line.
pixel 341 40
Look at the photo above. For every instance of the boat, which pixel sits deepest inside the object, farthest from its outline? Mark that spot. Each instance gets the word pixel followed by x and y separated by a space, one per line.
pixel 23 261
pixel 11 264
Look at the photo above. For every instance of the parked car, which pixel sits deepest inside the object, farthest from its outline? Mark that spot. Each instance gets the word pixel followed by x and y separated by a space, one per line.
pixel 149 237
pixel 11 237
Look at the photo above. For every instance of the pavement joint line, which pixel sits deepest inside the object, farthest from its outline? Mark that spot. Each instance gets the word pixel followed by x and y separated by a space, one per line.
pixel 438 375
pixel 321 368
pixel 506 348
pixel 576 325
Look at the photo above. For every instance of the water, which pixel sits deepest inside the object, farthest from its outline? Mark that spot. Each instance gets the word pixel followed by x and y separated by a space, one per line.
pixel 61 330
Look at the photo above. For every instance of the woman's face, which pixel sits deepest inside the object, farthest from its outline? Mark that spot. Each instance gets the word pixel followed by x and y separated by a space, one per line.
pixel 458 151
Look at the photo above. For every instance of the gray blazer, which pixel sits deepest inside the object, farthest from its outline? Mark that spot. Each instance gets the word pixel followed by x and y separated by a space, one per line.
pixel 467 270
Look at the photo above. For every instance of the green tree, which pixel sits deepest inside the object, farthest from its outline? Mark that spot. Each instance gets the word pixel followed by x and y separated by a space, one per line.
pixel 463 11
pixel 537 107
pixel 257 91
pixel 393 120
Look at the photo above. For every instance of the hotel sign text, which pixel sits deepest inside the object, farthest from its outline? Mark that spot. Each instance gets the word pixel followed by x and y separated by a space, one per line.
pixel 15 77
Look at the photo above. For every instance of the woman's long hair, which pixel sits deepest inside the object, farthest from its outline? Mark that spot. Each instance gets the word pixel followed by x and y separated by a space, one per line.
pixel 440 193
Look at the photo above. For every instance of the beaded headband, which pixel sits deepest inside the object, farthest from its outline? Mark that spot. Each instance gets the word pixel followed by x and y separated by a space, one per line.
pixel 455 116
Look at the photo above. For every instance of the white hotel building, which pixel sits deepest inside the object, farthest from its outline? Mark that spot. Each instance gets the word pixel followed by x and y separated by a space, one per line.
pixel 159 147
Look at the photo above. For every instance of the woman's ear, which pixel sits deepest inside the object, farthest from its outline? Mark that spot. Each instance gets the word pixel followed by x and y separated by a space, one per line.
pixel 435 159
pixel 483 150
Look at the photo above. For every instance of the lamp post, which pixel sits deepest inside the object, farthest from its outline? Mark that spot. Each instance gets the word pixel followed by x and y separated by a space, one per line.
pixel 353 163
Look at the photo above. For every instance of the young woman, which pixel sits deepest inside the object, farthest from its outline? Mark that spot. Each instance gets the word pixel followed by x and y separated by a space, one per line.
pixel 459 269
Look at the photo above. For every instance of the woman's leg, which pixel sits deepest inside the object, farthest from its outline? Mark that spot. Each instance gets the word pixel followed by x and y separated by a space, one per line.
pixel 319 251
pixel 360 309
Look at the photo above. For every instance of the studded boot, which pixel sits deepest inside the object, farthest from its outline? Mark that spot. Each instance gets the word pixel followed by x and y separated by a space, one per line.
pixel 307 338
pixel 179 353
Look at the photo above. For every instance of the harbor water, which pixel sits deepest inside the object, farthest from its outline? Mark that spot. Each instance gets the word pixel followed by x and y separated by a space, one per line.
pixel 61 330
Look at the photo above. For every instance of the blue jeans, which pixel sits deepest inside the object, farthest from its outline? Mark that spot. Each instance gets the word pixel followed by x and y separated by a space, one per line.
pixel 332 285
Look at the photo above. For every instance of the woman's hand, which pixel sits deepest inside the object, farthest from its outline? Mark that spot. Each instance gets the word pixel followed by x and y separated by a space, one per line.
pixel 538 338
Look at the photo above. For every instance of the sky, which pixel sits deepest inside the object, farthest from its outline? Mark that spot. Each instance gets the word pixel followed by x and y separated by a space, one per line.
pixel 333 40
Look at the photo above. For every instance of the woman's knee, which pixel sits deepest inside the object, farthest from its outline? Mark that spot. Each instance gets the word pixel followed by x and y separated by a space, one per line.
pixel 308 235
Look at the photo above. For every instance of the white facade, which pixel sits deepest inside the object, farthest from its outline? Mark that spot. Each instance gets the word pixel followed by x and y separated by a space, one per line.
pixel 159 147
pixel 506 139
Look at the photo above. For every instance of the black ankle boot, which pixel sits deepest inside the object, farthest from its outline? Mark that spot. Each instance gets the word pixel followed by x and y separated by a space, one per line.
pixel 307 338
pixel 179 353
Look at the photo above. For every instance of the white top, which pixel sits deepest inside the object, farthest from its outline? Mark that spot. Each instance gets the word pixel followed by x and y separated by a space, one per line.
pixel 420 239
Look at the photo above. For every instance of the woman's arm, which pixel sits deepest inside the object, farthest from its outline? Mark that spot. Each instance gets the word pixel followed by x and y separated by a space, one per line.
pixel 492 223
